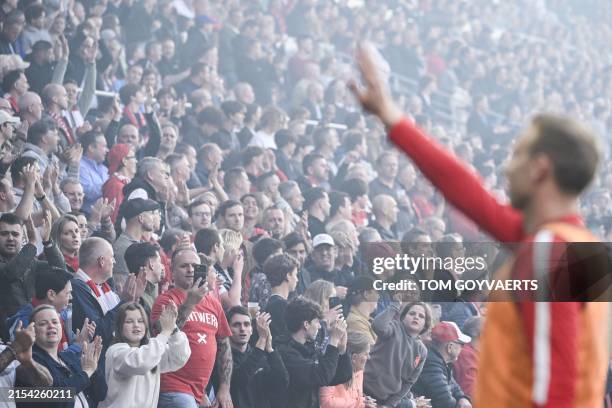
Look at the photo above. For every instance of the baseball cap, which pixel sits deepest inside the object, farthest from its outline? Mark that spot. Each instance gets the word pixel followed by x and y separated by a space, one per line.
pixel 6 117
pixel 116 154
pixel 41 45
pixel 323 239
pixel 136 206
pixel 446 332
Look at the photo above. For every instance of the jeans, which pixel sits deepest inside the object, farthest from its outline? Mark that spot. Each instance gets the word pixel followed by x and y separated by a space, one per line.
pixel 176 400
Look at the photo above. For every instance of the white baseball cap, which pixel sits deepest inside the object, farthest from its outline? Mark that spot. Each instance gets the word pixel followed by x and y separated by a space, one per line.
pixel 6 117
pixel 323 239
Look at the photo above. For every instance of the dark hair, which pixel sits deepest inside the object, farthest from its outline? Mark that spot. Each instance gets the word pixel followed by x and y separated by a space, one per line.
pixel 428 320
pixel 352 139
pixel 277 267
pixel 301 310
pixel 10 78
pixel 312 195
pixel 89 139
pixel 18 165
pixel 33 11
pixel 410 237
pixel 284 137
pixel 166 91
pixel 264 248
pixel 571 148
pixel 292 239
pixel 355 188
pixel 51 278
pixel 232 107
pixel 237 310
pixel 127 92
pixel 231 176
pixel 308 160
pixel 226 205
pixel 197 203
pixel 138 254
pixel 249 153
pixel 336 200
pixel 39 129
pixel 170 238
pixel 206 239
pixel 120 319
pixel 211 116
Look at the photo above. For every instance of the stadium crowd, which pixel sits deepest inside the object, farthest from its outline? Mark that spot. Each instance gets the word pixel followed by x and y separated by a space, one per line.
pixel 191 197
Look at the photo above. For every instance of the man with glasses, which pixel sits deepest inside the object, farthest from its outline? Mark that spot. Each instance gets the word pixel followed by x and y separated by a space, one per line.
pixel 436 381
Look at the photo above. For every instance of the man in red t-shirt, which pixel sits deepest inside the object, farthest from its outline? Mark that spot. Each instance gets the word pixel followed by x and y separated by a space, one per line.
pixel 201 317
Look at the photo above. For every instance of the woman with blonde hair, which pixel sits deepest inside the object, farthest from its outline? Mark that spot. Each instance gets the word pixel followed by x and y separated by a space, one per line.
pixel 350 394
pixel 323 293
pixel 65 233
pixel 229 268
pixel 135 361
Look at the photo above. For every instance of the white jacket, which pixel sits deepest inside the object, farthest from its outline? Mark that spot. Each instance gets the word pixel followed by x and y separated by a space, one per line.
pixel 128 370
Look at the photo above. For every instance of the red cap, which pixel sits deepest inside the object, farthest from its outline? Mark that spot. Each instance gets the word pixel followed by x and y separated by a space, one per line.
pixel 116 155
pixel 445 332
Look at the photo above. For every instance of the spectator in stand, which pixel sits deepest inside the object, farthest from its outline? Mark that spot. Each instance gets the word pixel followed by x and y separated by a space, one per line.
pixel 201 317
pixel 135 361
pixel 200 215
pixel 398 356
pixel 253 162
pixel 230 215
pixel 93 173
pixel 122 163
pixel 340 208
pixel 259 288
pixel 291 193
pixel 259 375
pixel 436 382
pixel 14 22
pixel 385 211
pixel 350 394
pixel 274 222
pixel 465 368
pixel 19 267
pixel 282 274
pixel 308 370
pixel 296 246
pixel 387 166
pixel 138 215
pixel 316 202
pixel 73 190
pixel 236 183
pixel 68 368
pixel 144 257
pixel 67 236
pixel 362 299
pixel 357 190
pixel 316 171
pixel 53 287
pixel 15 84
pixel 286 142
pixel 435 227
pixel 323 266
pixel 17 364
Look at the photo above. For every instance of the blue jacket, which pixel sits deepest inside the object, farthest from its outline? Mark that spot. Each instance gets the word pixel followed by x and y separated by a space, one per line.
pixel 24 313
pixel 71 377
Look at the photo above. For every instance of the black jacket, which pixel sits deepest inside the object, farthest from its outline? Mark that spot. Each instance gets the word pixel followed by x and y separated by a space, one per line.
pixel 309 371
pixel 437 383
pixel 18 274
pixel 258 379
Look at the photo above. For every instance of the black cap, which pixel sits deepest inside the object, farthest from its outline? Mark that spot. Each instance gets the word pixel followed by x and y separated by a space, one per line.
pixel 359 285
pixel 136 206
pixel 41 45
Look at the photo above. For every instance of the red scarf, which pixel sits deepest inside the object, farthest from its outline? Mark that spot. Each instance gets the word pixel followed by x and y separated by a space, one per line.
pixel 13 101
pixel 72 261
pixel 137 119
pixel 94 288
pixel 61 123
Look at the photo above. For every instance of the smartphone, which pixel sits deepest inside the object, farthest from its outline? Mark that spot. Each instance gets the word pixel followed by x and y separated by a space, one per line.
pixel 334 301
pixel 200 272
